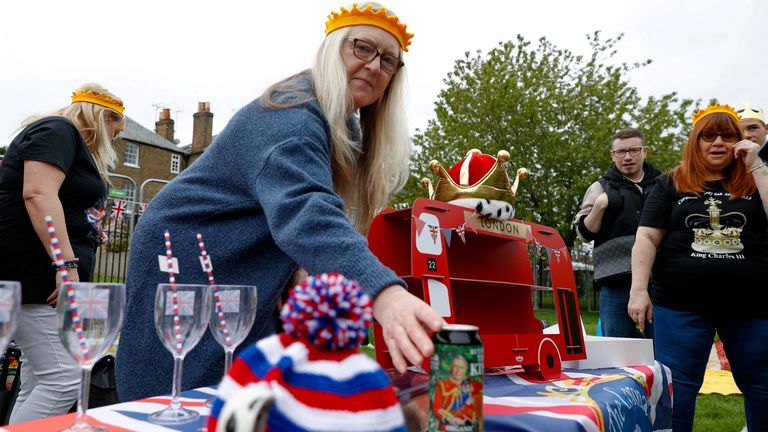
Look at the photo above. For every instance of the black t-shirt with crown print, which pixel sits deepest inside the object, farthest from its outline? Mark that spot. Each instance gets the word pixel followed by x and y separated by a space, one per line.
pixel 23 257
pixel 714 256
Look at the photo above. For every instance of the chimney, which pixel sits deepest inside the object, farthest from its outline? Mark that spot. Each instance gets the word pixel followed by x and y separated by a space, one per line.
pixel 202 129
pixel 164 125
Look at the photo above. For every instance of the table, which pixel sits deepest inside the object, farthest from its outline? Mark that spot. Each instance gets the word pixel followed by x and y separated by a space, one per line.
pixel 617 399
pixel 635 398
pixel 128 416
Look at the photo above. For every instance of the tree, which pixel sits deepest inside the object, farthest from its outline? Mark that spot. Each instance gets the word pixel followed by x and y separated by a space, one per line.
pixel 555 112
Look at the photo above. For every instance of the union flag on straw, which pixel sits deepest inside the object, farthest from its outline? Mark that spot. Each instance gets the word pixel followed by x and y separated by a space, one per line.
pixel 6 305
pixel 92 303
pixel 118 208
pixel 142 207
pixel 186 300
pixel 229 301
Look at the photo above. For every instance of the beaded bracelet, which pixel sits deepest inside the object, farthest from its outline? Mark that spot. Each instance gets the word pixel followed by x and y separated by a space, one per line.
pixel 68 264
pixel 757 167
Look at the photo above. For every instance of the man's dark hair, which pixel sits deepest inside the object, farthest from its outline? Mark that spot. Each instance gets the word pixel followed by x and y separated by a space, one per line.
pixel 627 133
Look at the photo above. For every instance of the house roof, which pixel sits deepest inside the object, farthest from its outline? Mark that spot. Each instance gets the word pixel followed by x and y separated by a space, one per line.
pixel 138 133
pixel 187 148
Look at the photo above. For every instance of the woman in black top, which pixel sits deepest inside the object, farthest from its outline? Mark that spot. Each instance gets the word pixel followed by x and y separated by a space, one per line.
pixel 707 220
pixel 57 165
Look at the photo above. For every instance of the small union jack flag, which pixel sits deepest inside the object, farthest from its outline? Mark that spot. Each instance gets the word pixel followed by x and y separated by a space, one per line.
pixel 92 303
pixel 142 207
pixel 118 208
pixel 229 301
pixel 186 303
pixel 460 232
pixel 7 305
pixel 433 233
pixel 557 253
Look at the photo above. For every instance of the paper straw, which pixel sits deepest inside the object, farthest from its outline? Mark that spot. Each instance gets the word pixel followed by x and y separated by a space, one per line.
pixel 216 297
pixel 174 294
pixel 76 324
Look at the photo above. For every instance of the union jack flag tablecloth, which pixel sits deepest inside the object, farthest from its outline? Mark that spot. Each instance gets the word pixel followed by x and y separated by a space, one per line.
pixel 619 399
pixel 128 416
pixel 627 399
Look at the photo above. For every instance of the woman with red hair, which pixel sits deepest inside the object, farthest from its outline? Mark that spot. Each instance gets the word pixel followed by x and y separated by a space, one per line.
pixel 707 220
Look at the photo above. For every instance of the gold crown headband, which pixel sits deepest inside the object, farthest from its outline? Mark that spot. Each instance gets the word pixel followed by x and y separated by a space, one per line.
pixel 717 108
pixel 97 98
pixel 354 17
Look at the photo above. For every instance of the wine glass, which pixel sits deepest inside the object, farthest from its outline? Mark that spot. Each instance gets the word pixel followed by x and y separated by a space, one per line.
pixel 232 316
pixel 10 302
pixel 89 317
pixel 181 315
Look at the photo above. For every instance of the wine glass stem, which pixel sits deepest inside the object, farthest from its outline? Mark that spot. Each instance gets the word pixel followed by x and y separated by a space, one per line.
pixel 177 369
pixel 228 354
pixel 82 401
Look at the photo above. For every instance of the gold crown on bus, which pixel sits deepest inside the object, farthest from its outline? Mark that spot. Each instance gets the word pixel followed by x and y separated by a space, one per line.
pixel 477 176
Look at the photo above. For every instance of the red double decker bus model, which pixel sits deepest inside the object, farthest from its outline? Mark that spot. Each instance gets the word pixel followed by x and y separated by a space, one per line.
pixel 477 270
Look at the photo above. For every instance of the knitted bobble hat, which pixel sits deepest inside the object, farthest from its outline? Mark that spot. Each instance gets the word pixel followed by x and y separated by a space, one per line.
pixel 315 373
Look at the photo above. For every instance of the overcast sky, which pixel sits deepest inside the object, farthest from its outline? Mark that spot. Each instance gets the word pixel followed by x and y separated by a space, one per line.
pixel 174 53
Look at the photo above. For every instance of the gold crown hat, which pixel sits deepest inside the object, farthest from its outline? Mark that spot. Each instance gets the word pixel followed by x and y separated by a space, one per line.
pixel 716 108
pixel 366 16
pixel 99 98
pixel 491 192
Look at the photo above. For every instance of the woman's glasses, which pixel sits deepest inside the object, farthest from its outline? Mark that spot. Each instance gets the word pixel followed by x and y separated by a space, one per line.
pixel 711 135
pixel 366 52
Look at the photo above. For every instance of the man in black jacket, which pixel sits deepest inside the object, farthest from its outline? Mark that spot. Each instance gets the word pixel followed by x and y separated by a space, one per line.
pixel 609 215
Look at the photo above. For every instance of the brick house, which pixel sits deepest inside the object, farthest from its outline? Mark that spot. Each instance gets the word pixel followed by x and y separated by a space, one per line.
pixel 147 160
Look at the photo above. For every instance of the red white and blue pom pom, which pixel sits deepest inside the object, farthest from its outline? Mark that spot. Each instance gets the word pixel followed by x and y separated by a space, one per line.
pixel 329 311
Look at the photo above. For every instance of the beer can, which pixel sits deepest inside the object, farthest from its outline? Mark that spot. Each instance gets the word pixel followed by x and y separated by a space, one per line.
pixel 456 380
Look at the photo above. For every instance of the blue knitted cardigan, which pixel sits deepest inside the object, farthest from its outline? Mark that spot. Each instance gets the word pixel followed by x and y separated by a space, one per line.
pixel 262 196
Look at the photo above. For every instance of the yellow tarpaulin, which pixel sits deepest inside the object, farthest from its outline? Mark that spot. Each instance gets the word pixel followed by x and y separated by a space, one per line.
pixel 719 381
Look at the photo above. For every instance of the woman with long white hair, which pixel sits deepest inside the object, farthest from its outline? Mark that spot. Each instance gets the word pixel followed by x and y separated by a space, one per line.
pixel 56 166
pixel 292 183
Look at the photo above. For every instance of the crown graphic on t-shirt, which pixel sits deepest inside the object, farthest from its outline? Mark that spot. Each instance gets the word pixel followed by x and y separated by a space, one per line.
pixel 716 232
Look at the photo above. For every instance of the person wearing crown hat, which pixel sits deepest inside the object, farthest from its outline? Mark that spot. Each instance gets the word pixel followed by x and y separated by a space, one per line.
pixel 56 166
pixel 703 235
pixel 608 216
pixel 291 183
pixel 754 128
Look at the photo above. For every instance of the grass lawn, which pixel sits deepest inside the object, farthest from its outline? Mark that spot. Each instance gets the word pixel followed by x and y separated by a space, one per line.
pixel 109 279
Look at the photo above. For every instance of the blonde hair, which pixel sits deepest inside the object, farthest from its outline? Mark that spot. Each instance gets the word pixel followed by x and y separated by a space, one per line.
pixel 365 174
pixel 91 121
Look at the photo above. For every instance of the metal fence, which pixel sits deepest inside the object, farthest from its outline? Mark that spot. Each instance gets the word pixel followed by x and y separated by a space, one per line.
pixel 112 257
pixel 581 256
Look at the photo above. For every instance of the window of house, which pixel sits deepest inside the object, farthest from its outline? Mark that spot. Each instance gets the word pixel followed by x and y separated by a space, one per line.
pixel 131 155
pixel 130 191
pixel 175 163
